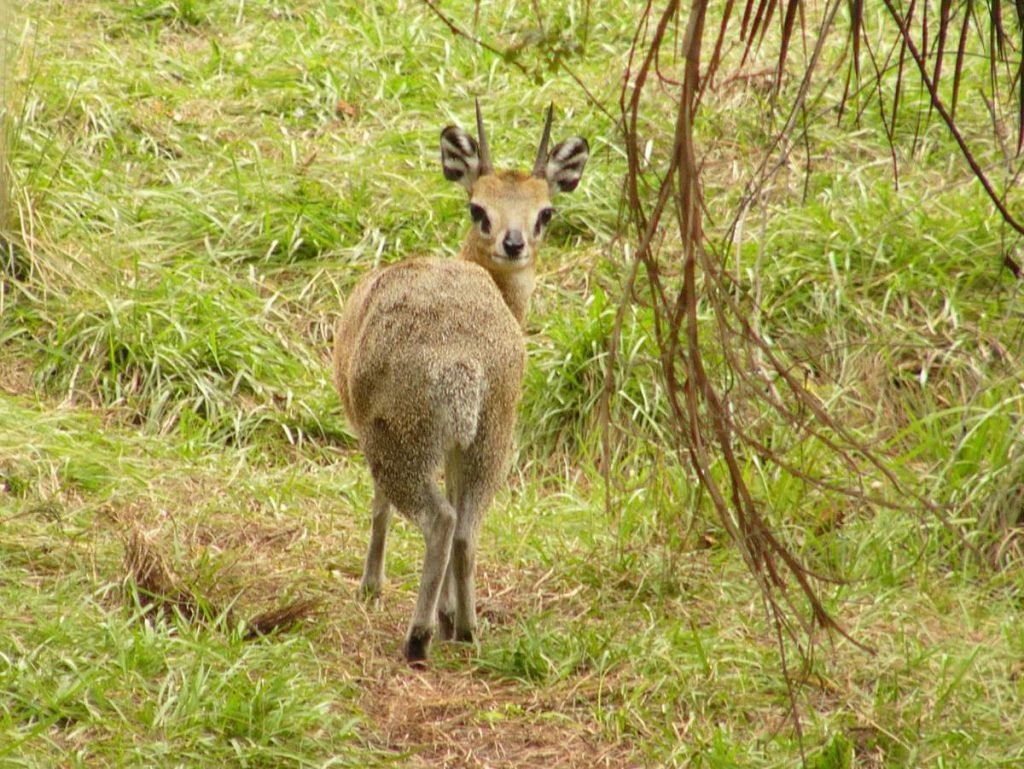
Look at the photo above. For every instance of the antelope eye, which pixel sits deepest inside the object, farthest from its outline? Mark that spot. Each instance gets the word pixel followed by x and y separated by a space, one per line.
pixel 543 218
pixel 478 215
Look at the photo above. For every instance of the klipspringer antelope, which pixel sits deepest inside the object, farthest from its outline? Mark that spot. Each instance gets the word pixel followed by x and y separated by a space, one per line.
pixel 428 363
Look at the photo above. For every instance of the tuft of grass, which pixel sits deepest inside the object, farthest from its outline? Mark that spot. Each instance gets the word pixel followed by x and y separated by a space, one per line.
pixel 564 390
pixel 177 353
pixel 155 589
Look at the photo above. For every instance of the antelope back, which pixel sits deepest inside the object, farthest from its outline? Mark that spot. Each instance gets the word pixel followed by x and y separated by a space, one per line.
pixel 510 210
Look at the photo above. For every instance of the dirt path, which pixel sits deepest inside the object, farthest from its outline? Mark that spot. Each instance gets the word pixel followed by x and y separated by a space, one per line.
pixel 458 719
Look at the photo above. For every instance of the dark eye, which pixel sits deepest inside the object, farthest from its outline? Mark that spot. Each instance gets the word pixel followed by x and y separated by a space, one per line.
pixel 478 215
pixel 543 218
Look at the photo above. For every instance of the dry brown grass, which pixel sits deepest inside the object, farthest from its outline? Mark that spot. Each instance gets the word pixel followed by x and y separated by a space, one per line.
pixel 161 588
pixel 459 719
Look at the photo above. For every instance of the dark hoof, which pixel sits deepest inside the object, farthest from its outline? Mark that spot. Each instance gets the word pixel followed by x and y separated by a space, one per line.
pixel 446 625
pixel 416 648
pixel 465 636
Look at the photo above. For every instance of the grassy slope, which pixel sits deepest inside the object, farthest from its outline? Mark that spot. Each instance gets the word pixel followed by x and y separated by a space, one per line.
pixel 199 183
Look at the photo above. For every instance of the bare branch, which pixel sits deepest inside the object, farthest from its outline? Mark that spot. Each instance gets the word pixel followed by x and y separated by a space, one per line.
pixel 940 107
pixel 459 32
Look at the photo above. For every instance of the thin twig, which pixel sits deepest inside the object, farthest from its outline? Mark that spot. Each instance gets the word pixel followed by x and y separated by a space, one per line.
pixel 940 107
pixel 459 32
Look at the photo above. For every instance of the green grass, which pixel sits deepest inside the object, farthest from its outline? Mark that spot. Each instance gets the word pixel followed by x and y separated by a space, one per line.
pixel 89 686
pixel 190 190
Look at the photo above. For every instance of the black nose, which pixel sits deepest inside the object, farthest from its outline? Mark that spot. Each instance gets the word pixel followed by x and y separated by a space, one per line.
pixel 513 243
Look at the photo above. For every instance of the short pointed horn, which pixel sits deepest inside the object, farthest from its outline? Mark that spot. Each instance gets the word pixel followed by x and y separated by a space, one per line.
pixel 485 154
pixel 542 152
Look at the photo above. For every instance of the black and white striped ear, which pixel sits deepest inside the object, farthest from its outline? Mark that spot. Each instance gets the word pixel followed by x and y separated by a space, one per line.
pixel 564 168
pixel 460 157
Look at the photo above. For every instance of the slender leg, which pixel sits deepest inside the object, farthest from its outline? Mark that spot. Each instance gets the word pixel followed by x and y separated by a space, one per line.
pixel 453 491
pixel 446 606
pixel 464 571
pixel 373 570
pixel 479 471
pixel 438 524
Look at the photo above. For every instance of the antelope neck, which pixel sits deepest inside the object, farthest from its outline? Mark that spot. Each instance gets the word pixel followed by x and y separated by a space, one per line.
pixel 515 286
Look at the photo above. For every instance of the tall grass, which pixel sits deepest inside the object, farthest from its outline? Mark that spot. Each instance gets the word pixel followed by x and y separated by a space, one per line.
pixel 6 140
pixel 176 349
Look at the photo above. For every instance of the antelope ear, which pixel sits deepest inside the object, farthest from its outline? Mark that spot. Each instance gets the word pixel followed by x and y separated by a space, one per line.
pixel 564 168
pixel 460 157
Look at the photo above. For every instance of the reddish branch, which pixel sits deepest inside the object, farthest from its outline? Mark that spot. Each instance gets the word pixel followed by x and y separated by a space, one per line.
pixel 954 131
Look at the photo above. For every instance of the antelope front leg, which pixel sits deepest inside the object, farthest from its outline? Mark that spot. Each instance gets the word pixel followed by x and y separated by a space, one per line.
pixel 373 569
pixel 438 525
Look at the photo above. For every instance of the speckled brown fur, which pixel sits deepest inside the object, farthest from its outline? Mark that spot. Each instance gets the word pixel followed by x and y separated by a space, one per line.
pixel 428 361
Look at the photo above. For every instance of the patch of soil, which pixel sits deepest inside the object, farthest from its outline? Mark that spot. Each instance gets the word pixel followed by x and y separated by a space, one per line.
pixel 451 719
pixel 16 376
